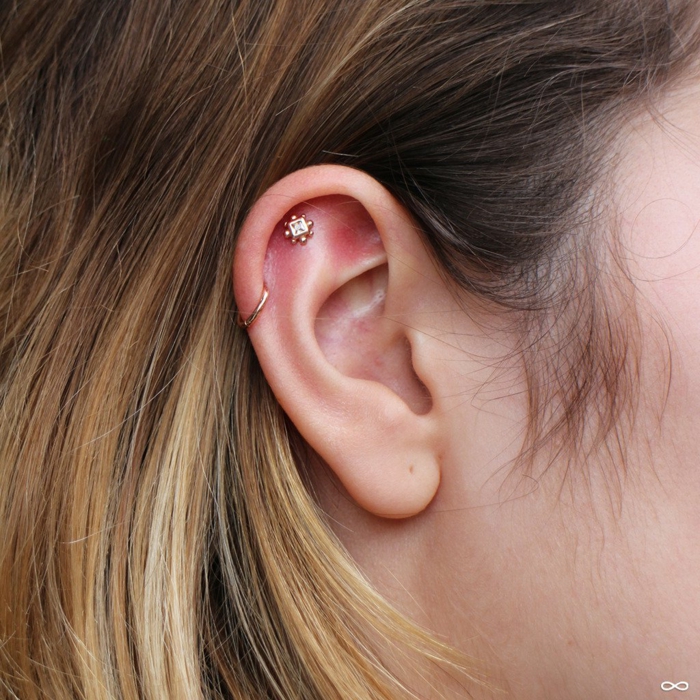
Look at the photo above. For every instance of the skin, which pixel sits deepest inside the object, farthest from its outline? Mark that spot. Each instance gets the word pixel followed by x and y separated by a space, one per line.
pixel 583 592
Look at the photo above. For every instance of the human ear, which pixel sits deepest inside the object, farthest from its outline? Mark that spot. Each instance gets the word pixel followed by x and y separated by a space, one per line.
pixel 339 338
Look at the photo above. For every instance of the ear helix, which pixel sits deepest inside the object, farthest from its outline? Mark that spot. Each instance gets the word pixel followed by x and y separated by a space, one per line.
pixel 298 229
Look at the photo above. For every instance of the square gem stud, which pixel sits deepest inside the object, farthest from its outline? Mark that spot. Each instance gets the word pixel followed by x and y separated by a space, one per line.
pixel 298 229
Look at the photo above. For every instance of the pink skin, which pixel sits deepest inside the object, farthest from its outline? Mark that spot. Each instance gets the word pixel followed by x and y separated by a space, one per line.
pixel 570 598
pixel 568 595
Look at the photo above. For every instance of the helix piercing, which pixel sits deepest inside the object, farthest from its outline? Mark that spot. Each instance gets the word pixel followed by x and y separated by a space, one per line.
pixel 299 229
pixel 248 322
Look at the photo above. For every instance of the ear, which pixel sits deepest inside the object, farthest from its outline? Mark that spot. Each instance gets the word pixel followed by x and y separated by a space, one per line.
pixel 339 337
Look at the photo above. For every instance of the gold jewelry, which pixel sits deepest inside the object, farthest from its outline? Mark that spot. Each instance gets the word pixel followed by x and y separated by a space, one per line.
pixel 248 322
pixel 298 229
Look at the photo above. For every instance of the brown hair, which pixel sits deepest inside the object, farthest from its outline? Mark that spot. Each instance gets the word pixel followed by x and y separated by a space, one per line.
pixel 157 537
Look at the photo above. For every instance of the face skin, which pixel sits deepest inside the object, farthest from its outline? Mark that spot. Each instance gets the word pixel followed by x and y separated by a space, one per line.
pixel 572 593
pixel 574 584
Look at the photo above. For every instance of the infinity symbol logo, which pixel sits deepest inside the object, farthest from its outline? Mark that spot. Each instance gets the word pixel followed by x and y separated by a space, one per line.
pixel 667 686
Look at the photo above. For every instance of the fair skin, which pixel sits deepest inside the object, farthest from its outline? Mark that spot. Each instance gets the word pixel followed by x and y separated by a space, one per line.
pixel 415 407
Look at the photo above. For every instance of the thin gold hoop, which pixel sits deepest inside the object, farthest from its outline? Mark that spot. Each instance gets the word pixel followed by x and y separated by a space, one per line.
pixel 248 322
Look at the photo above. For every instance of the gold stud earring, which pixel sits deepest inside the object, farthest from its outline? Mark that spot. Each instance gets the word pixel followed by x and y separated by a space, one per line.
pixel 299 229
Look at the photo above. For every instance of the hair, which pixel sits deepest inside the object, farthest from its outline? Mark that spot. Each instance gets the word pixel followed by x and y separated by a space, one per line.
pixel 158 536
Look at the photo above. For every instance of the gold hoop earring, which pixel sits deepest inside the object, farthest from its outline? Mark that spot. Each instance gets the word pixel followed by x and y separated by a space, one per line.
pixel 248 322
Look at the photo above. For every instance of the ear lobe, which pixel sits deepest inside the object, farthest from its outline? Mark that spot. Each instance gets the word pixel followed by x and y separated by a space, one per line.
pixel 333 339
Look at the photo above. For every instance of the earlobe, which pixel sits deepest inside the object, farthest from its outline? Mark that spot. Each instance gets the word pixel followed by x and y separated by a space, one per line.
pixel 333 338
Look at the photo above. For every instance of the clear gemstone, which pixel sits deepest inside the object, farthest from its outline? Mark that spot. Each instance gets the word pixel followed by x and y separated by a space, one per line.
pixel 298 227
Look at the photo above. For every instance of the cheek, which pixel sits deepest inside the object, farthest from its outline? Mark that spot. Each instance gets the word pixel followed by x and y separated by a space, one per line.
pixel 665 264
pixel 659 204
pixel 660 236
pixel 678 308
pixel 669 295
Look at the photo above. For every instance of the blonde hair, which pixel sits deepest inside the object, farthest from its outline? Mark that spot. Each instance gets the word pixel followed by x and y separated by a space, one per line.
pixel 158 535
